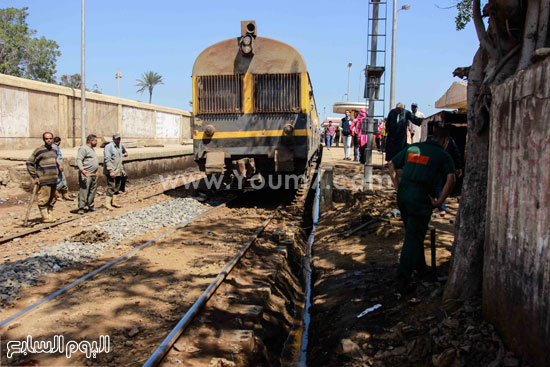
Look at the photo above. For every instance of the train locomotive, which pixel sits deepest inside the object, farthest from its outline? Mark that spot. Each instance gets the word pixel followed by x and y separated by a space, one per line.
pixel 254 114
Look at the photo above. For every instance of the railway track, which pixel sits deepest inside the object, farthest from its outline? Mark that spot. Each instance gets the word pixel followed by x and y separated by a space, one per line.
pixel 102 268
pixel 189 316
pixel 137 298
pixel 263 299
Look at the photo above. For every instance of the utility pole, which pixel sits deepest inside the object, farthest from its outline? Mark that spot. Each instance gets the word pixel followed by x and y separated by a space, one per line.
pixel 372 95
pixel 393 39
pixel 83 78
pixel 347 94
pixel 118 75
pixel 393 33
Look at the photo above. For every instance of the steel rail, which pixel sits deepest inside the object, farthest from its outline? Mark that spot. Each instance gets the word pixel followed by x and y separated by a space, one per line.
pixel 37 229
pixel 176 332
pixel 106 266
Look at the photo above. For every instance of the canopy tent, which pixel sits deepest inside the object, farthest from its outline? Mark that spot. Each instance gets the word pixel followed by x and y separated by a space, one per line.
pixel 341 107
pixel 455 97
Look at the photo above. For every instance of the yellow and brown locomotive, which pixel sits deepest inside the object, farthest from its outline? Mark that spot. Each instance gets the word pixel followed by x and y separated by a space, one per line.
pixel 254 110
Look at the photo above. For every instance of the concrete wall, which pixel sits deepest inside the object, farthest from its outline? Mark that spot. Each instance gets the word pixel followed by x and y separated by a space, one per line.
pixel 516 279
pixel 138 168
pixel 28 108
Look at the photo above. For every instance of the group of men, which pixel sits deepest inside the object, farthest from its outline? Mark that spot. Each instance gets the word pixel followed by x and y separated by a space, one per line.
pixel 428 175
pixel 45 165
pixel 393 134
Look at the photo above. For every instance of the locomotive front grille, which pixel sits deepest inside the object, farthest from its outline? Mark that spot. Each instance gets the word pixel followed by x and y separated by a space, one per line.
pixel 219 94
pixel 276 93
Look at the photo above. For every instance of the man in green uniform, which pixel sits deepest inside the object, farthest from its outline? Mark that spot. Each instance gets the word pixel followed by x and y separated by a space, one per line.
pixel 422 164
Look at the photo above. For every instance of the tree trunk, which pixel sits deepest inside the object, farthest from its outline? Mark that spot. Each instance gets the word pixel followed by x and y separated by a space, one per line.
pixel 542 33
pixel 530 34
pixel 466 272
pixel 497 58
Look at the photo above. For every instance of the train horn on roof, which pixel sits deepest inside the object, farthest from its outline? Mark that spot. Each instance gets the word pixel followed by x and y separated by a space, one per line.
pixel 248 27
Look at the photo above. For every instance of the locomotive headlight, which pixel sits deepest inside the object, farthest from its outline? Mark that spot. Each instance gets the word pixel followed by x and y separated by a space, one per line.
pixel 247 40
pixel 288 129
pixel 246 45
pixel 209 130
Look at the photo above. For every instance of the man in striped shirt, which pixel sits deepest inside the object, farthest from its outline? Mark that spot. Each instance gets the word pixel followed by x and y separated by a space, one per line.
pixel 42 166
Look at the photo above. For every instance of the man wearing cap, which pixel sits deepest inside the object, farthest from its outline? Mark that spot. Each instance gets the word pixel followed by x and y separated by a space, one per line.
pixel 422 165
pixel 416 131
pixel 112 167
pixel 396 128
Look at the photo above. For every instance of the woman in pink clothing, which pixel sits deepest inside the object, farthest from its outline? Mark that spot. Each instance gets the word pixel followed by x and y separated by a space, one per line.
pixel 330 134
pixel 359 139
pixel 378 137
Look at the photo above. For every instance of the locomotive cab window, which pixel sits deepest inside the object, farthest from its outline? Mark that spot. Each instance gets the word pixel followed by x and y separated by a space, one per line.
pixel 219 94
pixel 276 93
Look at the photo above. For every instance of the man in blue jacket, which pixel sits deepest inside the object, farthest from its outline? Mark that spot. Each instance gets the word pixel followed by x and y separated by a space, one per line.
pixel 346 133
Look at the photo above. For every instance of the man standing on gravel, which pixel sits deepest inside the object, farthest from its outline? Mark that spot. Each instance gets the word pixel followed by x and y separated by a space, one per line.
pixel 422 165
pixel 42 166
pixel 112 166
pixel 88 167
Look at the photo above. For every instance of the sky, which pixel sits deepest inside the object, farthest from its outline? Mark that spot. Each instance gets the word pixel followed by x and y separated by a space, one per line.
pixel 165 36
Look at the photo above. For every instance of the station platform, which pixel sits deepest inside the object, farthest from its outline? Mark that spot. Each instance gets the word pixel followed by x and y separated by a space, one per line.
pixel 335 155
pixel 141 162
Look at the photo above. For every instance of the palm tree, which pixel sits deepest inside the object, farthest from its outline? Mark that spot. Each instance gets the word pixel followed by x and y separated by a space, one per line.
pixel 148 81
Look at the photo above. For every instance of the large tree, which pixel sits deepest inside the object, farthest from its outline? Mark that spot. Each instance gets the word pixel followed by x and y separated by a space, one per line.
pixel 516 28
pixel 148 82
pixel 21 54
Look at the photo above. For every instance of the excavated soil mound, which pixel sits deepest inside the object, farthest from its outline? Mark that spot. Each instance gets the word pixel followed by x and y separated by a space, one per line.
pixel 90 236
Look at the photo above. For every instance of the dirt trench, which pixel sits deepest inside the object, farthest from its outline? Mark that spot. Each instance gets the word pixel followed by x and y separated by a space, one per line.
pixel 255 317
